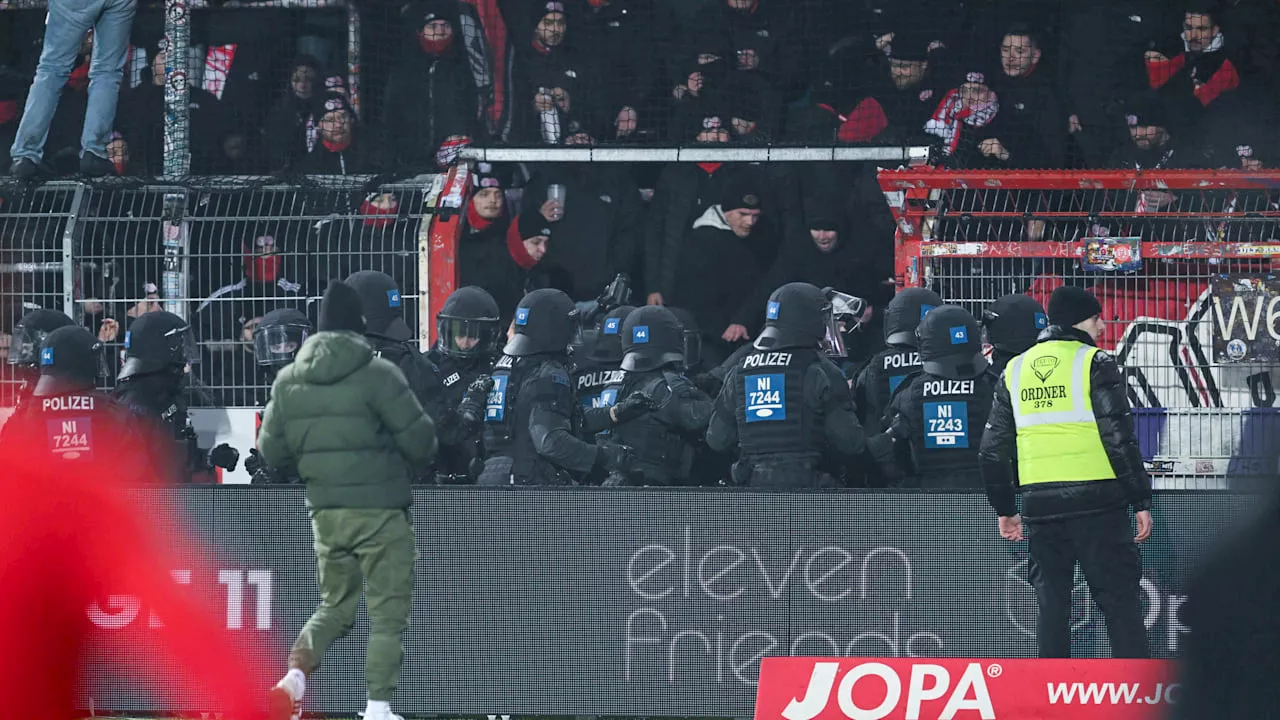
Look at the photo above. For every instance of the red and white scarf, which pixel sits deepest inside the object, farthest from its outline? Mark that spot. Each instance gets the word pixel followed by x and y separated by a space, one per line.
pixel 951 112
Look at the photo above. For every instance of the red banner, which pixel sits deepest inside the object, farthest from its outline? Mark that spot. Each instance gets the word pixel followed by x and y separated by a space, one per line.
pixel 793 688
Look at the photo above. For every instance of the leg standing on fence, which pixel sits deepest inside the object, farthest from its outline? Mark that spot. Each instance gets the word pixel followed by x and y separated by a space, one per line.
pixel 1063 404
pixel 65 28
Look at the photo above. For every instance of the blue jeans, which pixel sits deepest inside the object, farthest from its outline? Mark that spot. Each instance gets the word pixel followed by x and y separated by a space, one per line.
pixel 65 26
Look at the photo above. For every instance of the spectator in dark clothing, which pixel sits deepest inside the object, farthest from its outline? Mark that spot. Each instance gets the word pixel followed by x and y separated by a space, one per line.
pixel 290 127
pixel 520 271
pixel 551 102
pixel 902 94
pixel 1196 71
pixel 597 231
pixel 143 122
pixel 341 149
pixel 1030 130
pixel 484 239
pixel 431 96
pixel 719 263
pixel 757 36
pixel 221 316
pixel 1151 145
pixel 824 256
pixel 621 40
pixel 1099 68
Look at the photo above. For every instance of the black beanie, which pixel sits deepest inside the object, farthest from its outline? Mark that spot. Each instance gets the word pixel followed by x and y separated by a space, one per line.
pixel 340 309
pixel 1069 305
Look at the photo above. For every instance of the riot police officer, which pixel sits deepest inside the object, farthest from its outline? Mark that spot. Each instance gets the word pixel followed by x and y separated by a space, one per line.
pixel 937 414
pixel 531 414
pixel 157 351
pixel 24 346
pixel 1012 323
pixel 391 338
pixel 68 418
pixel 597 368
pixel 889 367
pixel 467 329
pixel 785 403
pixel 275 345
pixel 659 410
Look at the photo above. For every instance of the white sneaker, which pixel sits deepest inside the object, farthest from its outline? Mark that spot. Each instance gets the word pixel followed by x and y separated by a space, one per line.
pixel 282 703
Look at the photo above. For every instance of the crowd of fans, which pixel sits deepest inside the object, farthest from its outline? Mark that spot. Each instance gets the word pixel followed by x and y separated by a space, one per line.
pixel 986 83
pixel 990 83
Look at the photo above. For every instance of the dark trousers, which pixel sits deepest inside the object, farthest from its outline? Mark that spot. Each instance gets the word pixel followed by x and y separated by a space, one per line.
pixel 1103 545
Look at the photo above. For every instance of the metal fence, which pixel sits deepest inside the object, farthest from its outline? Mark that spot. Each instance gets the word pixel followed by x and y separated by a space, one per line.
pixel 221 254
pixel 1150 246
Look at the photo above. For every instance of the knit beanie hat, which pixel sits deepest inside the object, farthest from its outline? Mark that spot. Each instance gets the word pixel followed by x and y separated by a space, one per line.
pixel 1069 305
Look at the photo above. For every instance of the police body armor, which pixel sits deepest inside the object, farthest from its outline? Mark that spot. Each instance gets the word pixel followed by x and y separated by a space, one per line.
pixel 773 423
pixel 186 457
pixel 597 385
pixel 880 379
pixel 662 455
pixel 455 378
pixel 417 368
pixel 75 426
pixel 947 417
pixel 511 456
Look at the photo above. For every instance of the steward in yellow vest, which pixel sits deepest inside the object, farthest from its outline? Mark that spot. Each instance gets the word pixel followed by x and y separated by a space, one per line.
pixel 1063 406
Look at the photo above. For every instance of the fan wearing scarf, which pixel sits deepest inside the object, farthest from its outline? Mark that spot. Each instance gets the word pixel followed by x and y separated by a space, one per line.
pixel 962 112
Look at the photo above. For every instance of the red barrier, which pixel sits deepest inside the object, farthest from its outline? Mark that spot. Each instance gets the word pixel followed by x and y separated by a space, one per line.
pixel 793 688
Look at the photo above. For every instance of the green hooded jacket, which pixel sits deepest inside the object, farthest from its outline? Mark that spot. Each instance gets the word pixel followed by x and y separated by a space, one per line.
pixel 350 424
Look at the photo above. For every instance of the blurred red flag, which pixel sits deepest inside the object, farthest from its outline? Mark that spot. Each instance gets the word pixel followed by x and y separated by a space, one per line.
pixel 70 535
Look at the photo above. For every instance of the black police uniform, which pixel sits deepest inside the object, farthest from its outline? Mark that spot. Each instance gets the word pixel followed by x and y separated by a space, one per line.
pixel 67 417
pixel 531 413
pixel 886 369
pixel 1013 323
pixel 151 383
pixel 937 414
pixel 660 413
pixel 24 348
pixel 391 338
pixel 786 404
pixel 596 370
pixel 276 342
pixel 469 312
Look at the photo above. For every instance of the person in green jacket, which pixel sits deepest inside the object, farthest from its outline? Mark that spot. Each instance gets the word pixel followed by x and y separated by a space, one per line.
pixel 347 420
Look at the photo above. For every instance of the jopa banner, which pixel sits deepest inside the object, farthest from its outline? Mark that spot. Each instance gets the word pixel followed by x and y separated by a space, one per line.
pixel 794 688
pixel 638 602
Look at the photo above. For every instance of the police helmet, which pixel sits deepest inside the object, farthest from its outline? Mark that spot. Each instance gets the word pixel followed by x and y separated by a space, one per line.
pixel 70 360
pixel 471 316
pixel 29 334
pixel 651 338
pixel 1014 322
pixel 950 344
pixel 797 315
pixel 546 321
pixel 383 306
pixel 905 312
pixel 607 345
pixel 279 336
pixel 155 342
pixel 692 337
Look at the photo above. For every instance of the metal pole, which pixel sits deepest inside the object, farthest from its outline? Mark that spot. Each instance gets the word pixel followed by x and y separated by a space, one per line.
pixel 177 90
pixel 176 258
pixel 353 58
pixel 68 258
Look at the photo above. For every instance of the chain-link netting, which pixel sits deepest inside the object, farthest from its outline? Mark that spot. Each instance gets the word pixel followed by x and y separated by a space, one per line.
pixel 326 86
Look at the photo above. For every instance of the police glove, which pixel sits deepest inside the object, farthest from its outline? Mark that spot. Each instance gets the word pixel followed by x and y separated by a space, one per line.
pixel 708 383
pixel 224 456
pixel 471 409
pixel 634 406
pixel 898 429
pixel 254 463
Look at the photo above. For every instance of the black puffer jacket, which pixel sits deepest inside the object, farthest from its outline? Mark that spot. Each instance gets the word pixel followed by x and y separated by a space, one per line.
pixel 1061 500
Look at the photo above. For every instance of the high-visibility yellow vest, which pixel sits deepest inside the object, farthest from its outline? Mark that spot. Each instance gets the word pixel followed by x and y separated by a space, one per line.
pixel 1058 438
